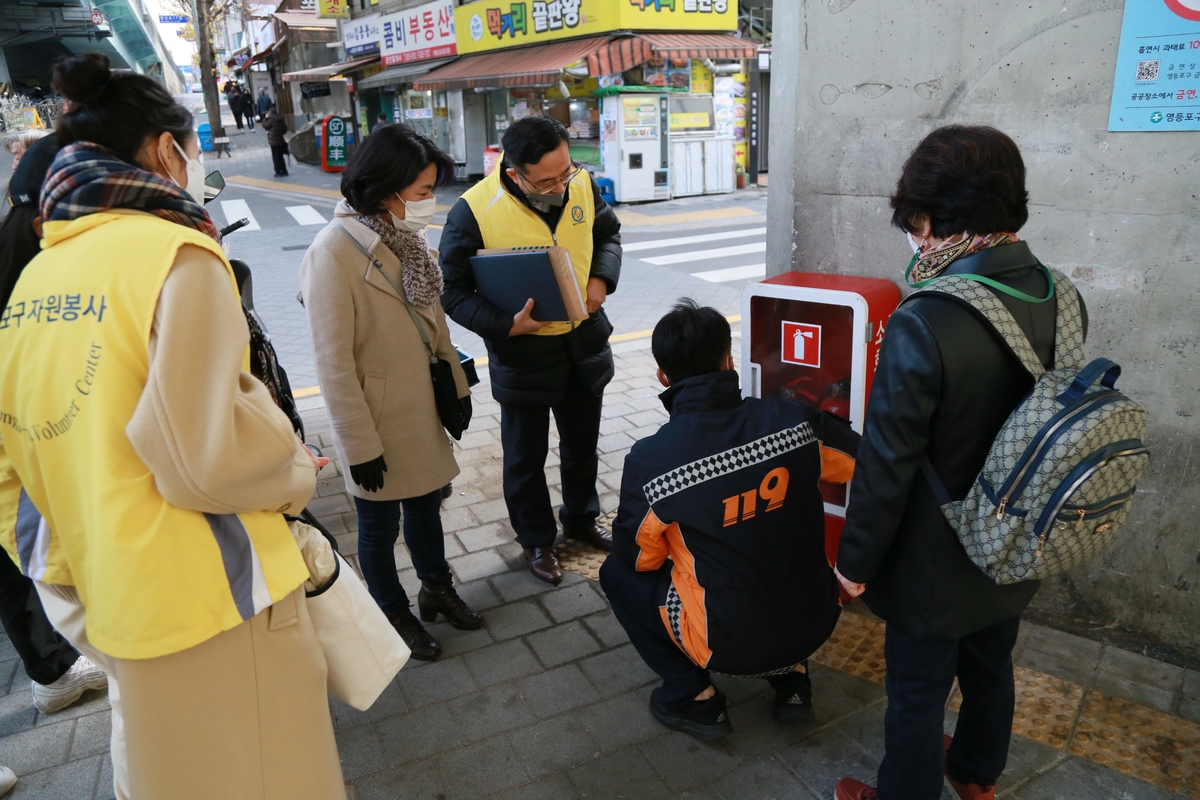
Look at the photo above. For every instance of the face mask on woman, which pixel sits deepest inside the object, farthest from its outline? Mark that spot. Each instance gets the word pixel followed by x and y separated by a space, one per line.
pixel 195 176
pixel 417 214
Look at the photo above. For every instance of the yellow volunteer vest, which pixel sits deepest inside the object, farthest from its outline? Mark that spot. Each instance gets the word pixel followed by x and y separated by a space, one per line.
pixel 504 221
pixel 155 579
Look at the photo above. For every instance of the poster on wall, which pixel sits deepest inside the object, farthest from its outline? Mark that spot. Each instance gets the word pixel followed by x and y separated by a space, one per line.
pixel 418 34
pixel 1158 67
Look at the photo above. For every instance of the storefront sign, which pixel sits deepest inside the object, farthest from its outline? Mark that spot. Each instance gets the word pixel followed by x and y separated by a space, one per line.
pixel 1158 67
pixel 333 144
pixel 361 36
pixel 702 78
pixel 333 9
pixel 493 24
pixel 691 120
pixel 316 89
pixel 172 19
pixel 418 34
pixel 419 113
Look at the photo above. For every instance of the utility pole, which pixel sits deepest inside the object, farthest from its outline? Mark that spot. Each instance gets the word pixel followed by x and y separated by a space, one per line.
pixel 208 65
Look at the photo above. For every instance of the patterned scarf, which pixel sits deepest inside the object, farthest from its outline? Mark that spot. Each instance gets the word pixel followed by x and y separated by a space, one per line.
pixel 933 262
pixel 86 178
pixel 422 277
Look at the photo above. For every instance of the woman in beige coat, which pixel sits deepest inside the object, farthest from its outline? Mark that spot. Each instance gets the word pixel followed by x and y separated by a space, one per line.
pixel 373 368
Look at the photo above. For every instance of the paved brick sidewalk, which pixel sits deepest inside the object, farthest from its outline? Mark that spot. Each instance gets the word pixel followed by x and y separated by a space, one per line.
pixel 548 700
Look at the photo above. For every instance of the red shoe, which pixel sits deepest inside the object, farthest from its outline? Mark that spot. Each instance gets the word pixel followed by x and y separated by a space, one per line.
pixel 965 791
pixel 850 789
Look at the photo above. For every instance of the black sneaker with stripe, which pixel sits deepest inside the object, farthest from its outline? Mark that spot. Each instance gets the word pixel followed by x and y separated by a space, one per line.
pixel 704 719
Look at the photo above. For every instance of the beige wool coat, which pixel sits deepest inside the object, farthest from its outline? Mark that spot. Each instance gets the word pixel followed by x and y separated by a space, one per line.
pixel 372 365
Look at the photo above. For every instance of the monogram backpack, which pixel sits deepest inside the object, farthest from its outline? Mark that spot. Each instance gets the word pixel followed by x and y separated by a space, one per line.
pixel 1061 474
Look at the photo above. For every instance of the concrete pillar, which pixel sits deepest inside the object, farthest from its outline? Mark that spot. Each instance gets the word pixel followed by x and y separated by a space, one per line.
pixel 1118 212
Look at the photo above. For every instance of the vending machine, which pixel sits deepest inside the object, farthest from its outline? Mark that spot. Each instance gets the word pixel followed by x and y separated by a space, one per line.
pixel 635 147
pixel 814 338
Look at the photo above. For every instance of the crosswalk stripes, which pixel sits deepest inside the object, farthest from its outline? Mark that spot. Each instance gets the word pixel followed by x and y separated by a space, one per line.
pixel 701 255
pixel 306 215
pixel 239 209
pixel 748 272
pixel 656 244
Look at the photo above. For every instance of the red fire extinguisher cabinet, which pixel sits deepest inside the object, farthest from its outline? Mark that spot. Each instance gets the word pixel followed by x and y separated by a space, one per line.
pixel 814 338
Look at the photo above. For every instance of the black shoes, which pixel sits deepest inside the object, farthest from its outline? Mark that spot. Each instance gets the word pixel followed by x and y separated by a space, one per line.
pixel 423 646
pixel 701 719
pixel 439 597
pixel 793 697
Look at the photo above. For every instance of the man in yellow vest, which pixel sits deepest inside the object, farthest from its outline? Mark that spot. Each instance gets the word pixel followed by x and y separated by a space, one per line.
pixel 539 197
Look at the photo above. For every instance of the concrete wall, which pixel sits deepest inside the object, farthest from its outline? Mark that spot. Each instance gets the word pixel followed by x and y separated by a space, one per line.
pixel 1119 212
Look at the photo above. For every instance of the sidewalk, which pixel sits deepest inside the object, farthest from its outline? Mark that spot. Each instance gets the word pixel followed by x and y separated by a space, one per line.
pixel 548 700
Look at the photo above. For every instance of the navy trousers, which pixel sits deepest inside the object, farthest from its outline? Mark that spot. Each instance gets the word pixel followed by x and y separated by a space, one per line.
pixel 524 433
pixel 920 674
pixel 378 530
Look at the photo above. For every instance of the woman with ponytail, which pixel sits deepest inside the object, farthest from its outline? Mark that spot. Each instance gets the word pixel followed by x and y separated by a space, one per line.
pixel 155 467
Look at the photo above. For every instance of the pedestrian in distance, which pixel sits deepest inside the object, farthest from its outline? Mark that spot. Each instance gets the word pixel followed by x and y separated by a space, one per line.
pixel 276 128
pixel 725 572
pixel 163 549
pixel 381 119
pixel 539 197
pixel 247 108
pixel 371 288
pixel 59 675
pixel 233 98
pixel 945 386
pixel 17 143
pixel 263 104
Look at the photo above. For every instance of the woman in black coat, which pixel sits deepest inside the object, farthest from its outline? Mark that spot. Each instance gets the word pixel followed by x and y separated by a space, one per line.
pixel 247 101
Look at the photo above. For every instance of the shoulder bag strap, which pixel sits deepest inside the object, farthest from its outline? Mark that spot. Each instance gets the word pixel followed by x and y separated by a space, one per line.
pixel 433 359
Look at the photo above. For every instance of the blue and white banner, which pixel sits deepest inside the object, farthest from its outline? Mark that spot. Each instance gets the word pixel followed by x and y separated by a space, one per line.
pixel 1158 67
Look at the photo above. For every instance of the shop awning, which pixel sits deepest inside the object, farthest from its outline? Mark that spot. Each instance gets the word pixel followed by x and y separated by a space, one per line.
pixel 299 19
pixel 628 52
pixel 401 74
pixel 261 55
pixel 243 54
pixel 540 65
pixel 324 73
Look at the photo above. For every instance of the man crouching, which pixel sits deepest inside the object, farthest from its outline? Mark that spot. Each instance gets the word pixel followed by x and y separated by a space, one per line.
pixel 719 543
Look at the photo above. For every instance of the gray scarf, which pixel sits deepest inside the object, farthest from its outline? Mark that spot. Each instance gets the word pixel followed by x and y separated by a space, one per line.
pixel 420 274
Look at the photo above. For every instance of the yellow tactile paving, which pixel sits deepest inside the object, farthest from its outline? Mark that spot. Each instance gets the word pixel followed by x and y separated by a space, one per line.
pixel 1132 739
pixel 1141 742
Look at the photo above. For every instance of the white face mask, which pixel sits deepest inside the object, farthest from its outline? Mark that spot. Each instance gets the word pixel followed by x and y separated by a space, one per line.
pixel 195 177
pixel 417 214
pixel 913 243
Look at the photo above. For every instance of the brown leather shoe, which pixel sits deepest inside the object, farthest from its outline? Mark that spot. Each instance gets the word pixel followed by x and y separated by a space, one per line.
pixel 543 564
pixel 593 534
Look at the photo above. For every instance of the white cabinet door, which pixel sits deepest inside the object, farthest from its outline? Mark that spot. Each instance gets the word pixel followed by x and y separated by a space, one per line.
pixel 687 168
pixel 718 166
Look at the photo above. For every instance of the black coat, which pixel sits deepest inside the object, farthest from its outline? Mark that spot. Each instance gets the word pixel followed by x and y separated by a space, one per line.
pixel 276 127
pixel 531 370
pixel 946 383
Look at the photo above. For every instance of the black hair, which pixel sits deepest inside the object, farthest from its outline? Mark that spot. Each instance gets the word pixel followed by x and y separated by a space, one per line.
pixel 19 243
pixel 964 178
pixel 527 140
pixel 388 161
pixel 115 109
pixel 382 117
pixel 690 340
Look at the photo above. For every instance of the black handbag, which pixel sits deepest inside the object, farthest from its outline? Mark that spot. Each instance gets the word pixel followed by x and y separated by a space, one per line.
pixel 454 414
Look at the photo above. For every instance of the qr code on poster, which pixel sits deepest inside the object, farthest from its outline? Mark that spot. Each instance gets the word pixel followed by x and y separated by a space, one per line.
pixel 1147 71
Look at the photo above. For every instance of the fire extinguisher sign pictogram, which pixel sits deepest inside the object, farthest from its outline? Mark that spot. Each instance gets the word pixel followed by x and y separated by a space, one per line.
pixel 801 344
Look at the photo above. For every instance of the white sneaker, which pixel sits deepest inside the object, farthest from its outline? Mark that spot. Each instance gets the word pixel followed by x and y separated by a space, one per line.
pixel 81 677
pixel 8 779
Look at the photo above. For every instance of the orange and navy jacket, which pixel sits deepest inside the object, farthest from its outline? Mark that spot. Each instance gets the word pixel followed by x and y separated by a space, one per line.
pixel 725 497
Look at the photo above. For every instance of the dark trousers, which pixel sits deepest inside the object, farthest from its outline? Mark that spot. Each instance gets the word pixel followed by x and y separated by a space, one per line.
pixel 45 654
pixel 237 116
pixel 378 530
pixel 249 119
pixel 524 433
pixel 635 598
pixel 920 673
pixel 277 151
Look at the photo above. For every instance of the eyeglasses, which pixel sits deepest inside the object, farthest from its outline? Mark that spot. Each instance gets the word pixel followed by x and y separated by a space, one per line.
pixel 545 187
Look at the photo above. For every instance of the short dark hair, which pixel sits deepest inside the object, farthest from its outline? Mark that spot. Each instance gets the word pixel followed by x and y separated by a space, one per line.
pixel 964 178
pixel 388 161
pixel 690 340
pixel 527 140
pixel 382 117
pixel 115 109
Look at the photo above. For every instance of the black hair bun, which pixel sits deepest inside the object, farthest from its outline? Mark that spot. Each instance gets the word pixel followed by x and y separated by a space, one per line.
pixel 82 78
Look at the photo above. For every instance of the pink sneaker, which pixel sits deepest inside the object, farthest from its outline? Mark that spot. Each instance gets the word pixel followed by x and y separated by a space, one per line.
pixel 850 789
pixel 965 791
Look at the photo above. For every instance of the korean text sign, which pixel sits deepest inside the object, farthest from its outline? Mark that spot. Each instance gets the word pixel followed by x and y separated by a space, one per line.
pixel 1158 67
pixel 494 24
pixel 333 9
pixel 361 35
pixel 418 34
pixel 333 145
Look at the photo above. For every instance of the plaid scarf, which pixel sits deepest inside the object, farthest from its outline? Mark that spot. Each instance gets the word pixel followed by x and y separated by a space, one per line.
pixel 86 178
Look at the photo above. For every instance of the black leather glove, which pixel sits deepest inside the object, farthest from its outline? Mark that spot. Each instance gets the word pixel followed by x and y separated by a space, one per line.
pixel 369 475
pixel 466 410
